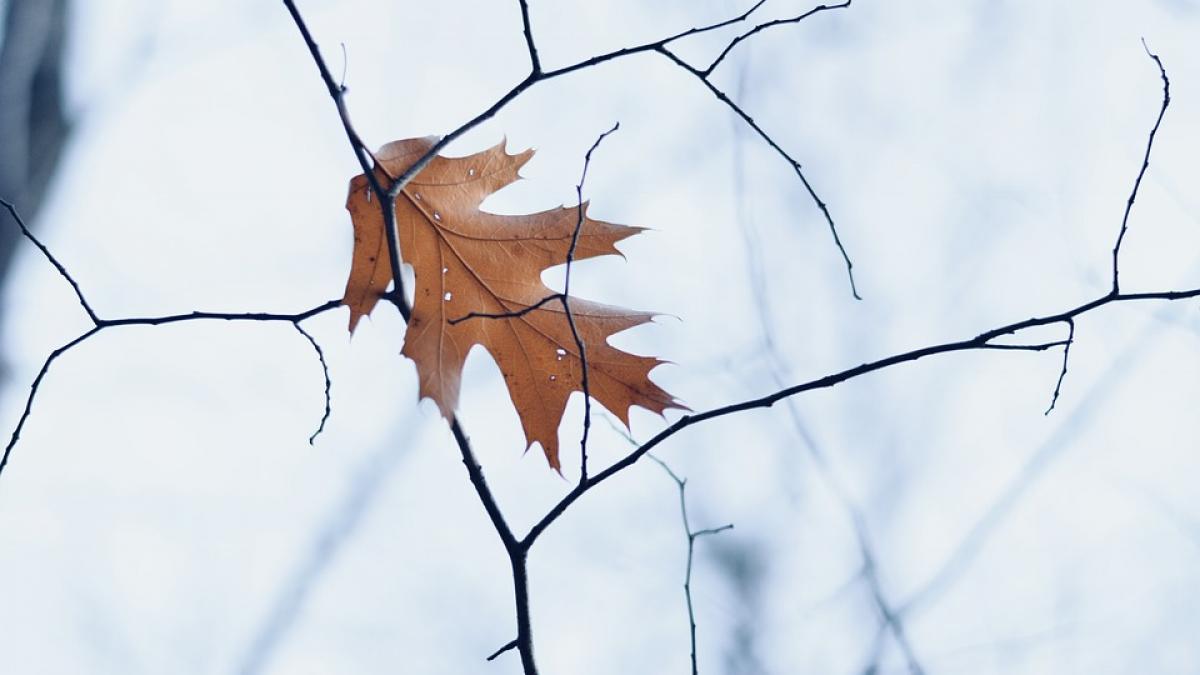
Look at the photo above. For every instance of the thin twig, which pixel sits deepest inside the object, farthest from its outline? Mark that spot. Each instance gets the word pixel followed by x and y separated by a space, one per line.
pixel 535 64
pixel 564 298
pixel 220 316
pixel 764 26
pixel 795 164
pixel 33 390
pixel 325 371
pixel 345 67
pixel 511 644
pixel 1162 111
pixel 104 324
pixel 1062 374
pixel 1039 347
pixel 566 303
pixel 62 271
pixel 515 314
pixel 366 160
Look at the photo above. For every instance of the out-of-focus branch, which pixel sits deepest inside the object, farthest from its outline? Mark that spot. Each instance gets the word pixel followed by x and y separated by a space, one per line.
pixel 33 122
pixel 692 536
pixel 890 620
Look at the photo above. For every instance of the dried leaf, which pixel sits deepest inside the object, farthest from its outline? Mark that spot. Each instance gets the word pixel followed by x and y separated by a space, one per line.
pixel 469 261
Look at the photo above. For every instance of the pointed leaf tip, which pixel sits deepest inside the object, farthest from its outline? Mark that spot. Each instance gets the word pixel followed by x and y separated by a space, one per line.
pixel 478 282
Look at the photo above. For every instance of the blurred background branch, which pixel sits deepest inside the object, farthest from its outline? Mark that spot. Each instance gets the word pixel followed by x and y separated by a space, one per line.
pixel 34 125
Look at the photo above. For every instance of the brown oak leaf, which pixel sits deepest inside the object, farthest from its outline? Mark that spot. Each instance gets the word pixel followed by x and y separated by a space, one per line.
pixel 467 261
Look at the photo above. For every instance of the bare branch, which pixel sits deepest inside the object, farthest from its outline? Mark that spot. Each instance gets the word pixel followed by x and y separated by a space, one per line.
pixel 764 26
pixel 837 240
pixel 387 204
pixel 564 298
pixel 981 341
pixel 1066 357
pixel 515 314
pixel 566 303
pixel 1038 347
pixel 366 160
pixel 535 64
pixel 517 549
pixel 220 316
pixel 33 390
pixel 398 183
pixel 53 261
pixel 1162 111
pixel 651 46
pixel 104 324
pixel 511 644
pixel 325 371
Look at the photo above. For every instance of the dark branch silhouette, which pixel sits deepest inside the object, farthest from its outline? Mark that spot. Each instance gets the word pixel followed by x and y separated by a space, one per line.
pixel 535 64
pixel 62 271
pixel 981 341
pixel 324 371
pixel 100 324
pixel 566 303
pixel 518 548
pixel 1062 374
pixel 511 644
pixel 536 75
pixel 1162 111
pixel 515 314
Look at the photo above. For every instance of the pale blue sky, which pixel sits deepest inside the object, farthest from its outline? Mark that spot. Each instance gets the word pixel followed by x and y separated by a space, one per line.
pixel 164 505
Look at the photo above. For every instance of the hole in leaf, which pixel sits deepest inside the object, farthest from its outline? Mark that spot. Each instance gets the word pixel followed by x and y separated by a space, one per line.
pixel 447 296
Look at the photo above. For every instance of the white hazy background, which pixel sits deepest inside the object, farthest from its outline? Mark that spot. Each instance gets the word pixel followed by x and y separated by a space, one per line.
pixel 164 512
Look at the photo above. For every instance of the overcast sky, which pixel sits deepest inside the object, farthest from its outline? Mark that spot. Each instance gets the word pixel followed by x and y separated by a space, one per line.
pixel 165 513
